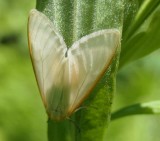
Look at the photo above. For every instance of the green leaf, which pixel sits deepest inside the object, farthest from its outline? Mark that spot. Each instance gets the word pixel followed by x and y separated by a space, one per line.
pixel 142 36
pixel 137 109
pixel 74 19
pixel 130 10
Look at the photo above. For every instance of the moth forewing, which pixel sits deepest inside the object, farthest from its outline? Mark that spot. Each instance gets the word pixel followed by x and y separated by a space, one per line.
pixel 47 54
pixel 66 80
pixel 30 25
pixel 93 54
pixel 58 95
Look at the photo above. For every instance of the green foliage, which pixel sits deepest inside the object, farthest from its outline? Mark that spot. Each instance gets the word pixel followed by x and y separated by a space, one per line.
pixel 140 36
pixel 140 108
pixel 137 82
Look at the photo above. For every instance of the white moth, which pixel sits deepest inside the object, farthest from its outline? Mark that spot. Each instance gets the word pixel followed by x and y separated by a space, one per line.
pixel 66 76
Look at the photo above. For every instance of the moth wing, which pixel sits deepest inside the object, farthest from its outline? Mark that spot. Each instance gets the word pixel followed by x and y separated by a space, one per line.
pixel 89 58
pixel 47 51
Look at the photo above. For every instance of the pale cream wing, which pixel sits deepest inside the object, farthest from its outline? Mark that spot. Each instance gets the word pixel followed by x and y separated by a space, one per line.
pixel 88 60
pixel 47 50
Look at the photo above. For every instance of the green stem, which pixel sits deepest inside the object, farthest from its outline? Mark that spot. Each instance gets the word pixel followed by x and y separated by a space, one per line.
pixel 75 19
pixel 61 131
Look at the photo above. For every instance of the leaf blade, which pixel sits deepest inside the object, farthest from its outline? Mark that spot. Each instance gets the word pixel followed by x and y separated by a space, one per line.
pixel 152 108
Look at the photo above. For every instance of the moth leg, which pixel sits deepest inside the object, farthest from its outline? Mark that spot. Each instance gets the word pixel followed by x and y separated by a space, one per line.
pixel 76 125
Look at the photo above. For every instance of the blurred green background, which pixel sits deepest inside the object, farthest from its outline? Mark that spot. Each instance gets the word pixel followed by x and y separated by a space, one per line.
pixel 22 115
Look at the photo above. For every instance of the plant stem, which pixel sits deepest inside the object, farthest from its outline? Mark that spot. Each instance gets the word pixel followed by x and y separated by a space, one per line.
pixel 60 131
pixel 75 19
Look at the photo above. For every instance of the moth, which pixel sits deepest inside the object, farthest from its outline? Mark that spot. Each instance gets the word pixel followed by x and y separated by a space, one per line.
pixel 66 76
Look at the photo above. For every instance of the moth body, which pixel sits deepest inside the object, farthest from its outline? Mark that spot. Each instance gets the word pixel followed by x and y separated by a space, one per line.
pixel 66 77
